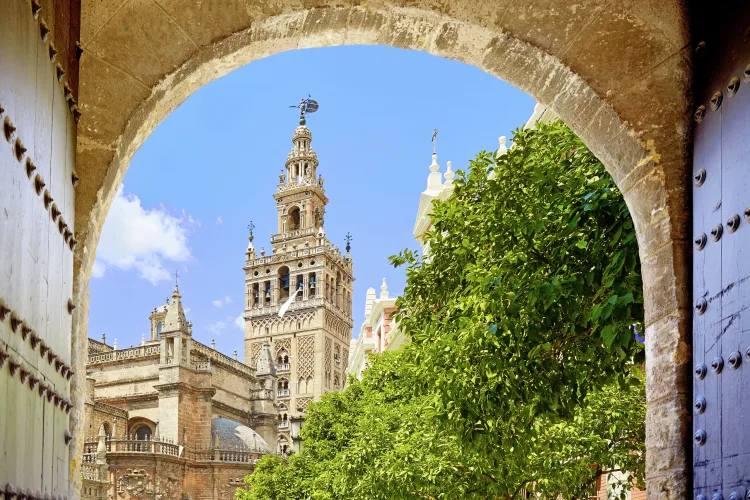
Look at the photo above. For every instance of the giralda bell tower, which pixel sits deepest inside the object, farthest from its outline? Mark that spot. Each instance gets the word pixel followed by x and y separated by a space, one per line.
pixel 310 342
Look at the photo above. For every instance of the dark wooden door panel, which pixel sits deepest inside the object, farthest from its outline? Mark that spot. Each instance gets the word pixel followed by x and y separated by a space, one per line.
pixel 721 256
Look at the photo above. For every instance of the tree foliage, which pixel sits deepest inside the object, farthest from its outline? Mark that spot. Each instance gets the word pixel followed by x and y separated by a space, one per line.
pixel 522 372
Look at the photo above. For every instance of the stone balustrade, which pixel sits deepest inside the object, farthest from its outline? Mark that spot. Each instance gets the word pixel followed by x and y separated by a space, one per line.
pixel 119 354
pixel 116 447
pixel 202 366
pixel 91 471
pixel 222 359
pixel 262 394
pixel 283 367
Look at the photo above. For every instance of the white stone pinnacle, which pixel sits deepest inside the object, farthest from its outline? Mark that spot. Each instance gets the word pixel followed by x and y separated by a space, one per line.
pixel 449 175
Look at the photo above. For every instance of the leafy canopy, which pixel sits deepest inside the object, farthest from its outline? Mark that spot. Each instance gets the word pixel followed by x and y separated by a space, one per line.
pixel 522 371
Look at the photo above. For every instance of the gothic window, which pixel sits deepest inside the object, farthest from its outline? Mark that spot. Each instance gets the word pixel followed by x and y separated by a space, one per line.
pixel 267 292
pixel 294 219
pixel 300 285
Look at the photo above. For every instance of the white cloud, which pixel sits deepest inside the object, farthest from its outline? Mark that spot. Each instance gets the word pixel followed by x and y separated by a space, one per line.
pixel 239 321
pixel 219 221
pixel 217 328
pixel 143 239
pixel 187 310
pixel 98 270
pixel 221 302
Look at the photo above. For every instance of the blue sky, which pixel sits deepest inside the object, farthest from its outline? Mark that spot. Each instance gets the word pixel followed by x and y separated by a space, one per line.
pixel 212 166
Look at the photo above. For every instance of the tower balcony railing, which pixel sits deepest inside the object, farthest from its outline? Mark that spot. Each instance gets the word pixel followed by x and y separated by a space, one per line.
pixel 283 393
pixel 283 367
pixel 297 304
pixel 293 234
pixel 304 182
pixel 284 424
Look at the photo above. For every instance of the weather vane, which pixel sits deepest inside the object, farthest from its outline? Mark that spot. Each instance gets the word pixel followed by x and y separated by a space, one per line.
pixel 434 141
pixel 305 106
pixel 251 226
pixel 176 278
pixel 348 239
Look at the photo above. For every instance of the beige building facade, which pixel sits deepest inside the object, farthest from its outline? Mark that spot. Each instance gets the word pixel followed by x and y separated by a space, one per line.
pixel 310 340
pixel 379 331
pixel 173 418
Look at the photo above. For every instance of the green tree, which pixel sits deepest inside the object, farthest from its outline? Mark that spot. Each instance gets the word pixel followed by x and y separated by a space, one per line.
pixel 522 371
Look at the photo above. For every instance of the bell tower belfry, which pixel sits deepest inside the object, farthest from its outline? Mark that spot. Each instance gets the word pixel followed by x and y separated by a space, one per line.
pixel 310 339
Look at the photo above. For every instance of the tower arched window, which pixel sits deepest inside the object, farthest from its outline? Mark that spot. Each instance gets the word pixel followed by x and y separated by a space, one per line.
pixel 283 283
pixel 311 285
pixel 293 219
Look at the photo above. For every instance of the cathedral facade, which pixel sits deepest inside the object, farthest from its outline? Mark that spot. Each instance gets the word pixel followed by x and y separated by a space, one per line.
pixel 298 298
pixel 172 418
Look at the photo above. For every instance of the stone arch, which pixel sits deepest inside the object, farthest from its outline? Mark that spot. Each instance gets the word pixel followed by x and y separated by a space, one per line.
pixel 141 426
pixel 294 218
pixel 618 74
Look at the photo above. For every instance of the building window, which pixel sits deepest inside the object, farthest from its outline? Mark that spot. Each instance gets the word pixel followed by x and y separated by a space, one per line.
pixel 159 327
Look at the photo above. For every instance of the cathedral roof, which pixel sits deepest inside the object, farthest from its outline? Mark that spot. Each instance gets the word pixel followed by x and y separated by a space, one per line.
pixel 231 435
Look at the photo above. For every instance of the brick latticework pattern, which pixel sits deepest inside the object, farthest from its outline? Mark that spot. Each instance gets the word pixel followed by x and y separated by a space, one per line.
pixel 328 360
pixel 302 403
pixel 306 356
pixel 255 352
pixel 283 344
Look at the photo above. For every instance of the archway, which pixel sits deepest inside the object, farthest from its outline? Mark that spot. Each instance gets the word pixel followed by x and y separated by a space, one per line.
pixel 617 75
